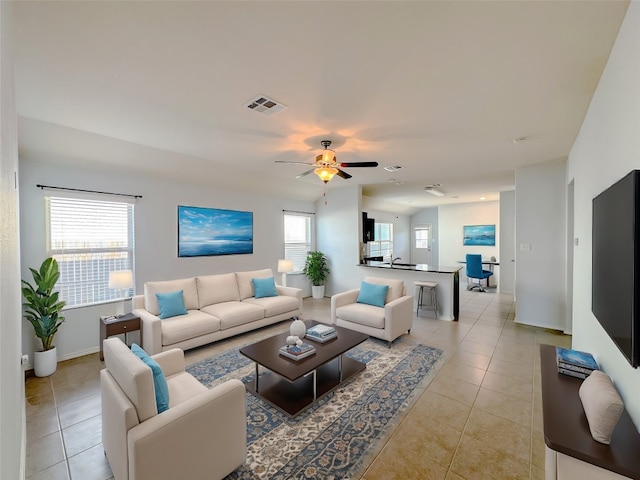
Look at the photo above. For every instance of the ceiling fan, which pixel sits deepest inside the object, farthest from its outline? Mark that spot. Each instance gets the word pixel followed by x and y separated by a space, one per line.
pixel 326 165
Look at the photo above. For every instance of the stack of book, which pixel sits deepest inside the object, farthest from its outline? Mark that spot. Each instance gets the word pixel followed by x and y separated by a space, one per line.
pixel 321 333
pixel 575 363
pixel 297 352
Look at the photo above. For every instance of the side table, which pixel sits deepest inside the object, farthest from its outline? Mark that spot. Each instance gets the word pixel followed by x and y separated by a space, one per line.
pixel 112 325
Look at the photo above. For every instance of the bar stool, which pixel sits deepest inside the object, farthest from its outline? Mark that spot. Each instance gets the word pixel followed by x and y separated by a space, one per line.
pixel 431 286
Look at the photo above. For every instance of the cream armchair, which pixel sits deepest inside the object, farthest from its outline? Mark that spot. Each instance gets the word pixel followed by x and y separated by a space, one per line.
pixel 201 435
pixel 386 323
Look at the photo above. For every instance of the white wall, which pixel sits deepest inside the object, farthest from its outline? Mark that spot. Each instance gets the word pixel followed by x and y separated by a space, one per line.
pixel 507 255
pixel 607 148
pixel 12 416
pixel 155 237
pixel 540 244
pixel 451 219
pixel 339 235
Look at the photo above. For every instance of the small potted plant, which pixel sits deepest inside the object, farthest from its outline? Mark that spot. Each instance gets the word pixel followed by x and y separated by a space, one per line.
pixel 42 309
pixel 317 270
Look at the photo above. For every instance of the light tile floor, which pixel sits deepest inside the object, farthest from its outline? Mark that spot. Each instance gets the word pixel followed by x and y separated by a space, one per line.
pixel 480 418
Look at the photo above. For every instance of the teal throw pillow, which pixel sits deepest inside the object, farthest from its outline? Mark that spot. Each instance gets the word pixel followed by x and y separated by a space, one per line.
pixel 264 287
pixel 159 381
pixel 373 294
pixel 171 304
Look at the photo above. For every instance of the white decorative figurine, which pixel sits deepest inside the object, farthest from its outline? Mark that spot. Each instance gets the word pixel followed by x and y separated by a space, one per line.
pixel 298 328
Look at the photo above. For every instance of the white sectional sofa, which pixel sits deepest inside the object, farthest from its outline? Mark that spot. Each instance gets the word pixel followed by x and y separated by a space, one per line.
pixel 218 306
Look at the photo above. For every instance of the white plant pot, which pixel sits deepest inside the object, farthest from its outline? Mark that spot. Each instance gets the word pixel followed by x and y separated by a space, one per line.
pixel 45 363
pixel 317 292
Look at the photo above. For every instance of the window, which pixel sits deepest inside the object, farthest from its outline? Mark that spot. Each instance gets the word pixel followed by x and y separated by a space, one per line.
pixel 89 238
pixel 383 245
pixel 297 238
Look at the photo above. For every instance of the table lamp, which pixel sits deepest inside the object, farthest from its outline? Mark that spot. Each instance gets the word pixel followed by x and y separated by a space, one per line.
pixel 285 266
pixel 121 280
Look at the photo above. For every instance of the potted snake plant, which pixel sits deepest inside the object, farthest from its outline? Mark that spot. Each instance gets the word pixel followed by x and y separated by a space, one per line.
pixel 316 269
pixel 42 309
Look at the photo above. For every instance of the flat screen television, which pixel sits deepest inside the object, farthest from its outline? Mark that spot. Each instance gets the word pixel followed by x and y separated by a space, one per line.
pixel 615 282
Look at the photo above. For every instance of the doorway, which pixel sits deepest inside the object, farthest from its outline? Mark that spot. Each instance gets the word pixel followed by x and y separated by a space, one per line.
pixel 421 242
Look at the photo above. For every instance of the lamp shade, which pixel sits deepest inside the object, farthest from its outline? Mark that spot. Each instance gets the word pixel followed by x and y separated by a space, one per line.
pixel 325 173
pixel 285 266
pixel 121 279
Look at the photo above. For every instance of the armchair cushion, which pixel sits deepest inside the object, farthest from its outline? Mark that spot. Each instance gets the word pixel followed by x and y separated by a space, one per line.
pixel 159 381
pixel 171 304
pixel 264 287
pixel 396 287
pixel 362 314
pixel 372 294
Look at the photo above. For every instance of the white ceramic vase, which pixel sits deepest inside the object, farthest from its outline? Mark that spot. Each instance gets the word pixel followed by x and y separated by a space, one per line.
pixel 317 292
pixel 298 328
pixel 45 363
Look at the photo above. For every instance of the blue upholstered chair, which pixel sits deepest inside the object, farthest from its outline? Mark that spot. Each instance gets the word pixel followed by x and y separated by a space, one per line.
pixel 474 270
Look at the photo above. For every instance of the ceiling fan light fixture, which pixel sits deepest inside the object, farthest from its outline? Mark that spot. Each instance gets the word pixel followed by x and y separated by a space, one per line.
pixel 325 173
pixel 328 156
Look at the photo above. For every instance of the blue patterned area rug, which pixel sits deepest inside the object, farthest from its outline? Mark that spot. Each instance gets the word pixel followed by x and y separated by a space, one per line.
pixel 337 437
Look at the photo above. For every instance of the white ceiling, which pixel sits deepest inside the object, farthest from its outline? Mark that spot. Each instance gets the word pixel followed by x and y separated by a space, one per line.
pixel 439 88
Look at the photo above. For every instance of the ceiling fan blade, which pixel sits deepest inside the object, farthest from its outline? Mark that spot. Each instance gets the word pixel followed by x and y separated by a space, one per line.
pixel 343 174
pixel 358 164
pixel 304 174
pixel 294 163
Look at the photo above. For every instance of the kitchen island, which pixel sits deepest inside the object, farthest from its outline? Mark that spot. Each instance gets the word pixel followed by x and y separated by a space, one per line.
pixel 447 278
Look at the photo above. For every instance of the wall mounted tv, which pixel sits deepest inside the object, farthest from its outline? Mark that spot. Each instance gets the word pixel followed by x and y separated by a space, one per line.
pixel 615 282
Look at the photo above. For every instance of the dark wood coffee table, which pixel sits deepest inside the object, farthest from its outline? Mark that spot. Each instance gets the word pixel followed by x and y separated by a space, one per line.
pixel 294 385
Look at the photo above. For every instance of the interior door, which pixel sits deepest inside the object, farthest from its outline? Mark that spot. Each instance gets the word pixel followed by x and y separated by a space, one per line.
pixel 421 244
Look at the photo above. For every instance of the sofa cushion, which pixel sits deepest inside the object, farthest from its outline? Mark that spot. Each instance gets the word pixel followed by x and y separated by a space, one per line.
pixel 232 314
pixel 187 285
pixel 161 389
pixel 275 305
pixel 264 287
pixel 245 287
pixel 171 304
pixel 372 294
pixel 217 289
pixel 362 314
pixel 194 324
pixel 396 287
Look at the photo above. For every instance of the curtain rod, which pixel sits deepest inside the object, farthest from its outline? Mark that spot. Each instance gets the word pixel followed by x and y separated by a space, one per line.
pixel 296 211
pixel 42 187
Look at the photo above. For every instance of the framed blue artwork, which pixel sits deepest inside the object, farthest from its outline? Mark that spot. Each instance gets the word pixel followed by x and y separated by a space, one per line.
pixel 479 235
pixel 206 232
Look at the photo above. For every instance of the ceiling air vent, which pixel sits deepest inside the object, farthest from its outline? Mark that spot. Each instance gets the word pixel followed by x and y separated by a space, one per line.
pixel 392 168
pixel 265 105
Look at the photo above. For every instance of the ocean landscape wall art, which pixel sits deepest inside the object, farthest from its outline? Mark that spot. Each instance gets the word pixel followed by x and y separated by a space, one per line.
pixel 206 232
pixel 479 235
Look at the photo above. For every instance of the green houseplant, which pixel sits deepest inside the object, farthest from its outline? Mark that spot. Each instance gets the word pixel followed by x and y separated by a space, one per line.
pixel 316 269
pixel 42 309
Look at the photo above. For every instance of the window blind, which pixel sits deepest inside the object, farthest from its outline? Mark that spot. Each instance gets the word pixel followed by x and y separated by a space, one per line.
pixel 297 239
pixel 89 238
